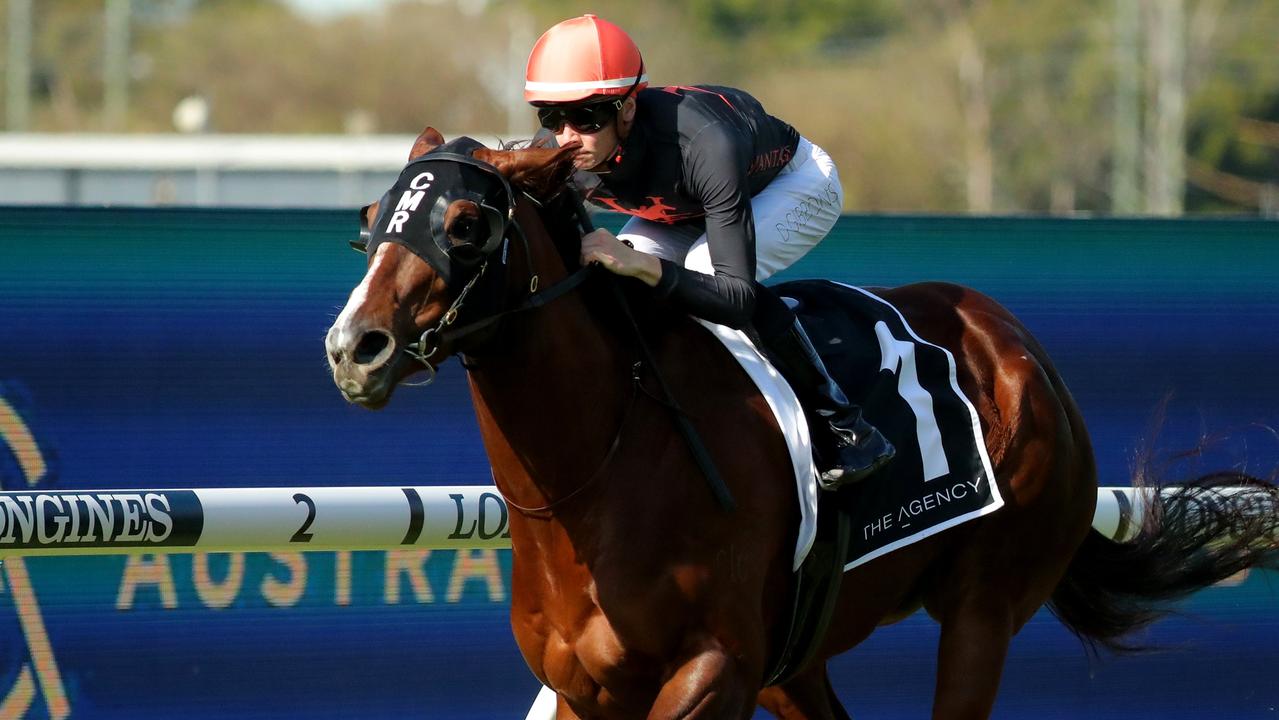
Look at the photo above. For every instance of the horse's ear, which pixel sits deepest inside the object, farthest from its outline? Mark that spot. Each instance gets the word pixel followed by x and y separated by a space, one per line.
pixel 426 142
pixel 540 172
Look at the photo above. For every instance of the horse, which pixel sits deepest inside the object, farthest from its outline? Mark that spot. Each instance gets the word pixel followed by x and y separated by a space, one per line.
pixel 634 592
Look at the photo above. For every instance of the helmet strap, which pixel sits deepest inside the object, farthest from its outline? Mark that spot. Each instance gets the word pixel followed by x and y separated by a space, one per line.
pixel 619 152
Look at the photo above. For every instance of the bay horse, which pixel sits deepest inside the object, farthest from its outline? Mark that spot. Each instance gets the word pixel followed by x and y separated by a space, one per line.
pixel 634 594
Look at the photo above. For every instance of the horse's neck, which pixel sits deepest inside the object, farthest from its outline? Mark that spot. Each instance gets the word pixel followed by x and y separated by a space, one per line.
pixel 547 402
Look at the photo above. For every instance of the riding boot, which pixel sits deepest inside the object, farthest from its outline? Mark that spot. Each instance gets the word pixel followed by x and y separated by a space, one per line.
pixel 848 447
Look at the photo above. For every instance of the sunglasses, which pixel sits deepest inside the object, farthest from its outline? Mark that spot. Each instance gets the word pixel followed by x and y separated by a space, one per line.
pixel 587 119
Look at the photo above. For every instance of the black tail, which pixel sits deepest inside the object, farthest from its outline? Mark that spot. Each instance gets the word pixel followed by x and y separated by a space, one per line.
pixel 1192 536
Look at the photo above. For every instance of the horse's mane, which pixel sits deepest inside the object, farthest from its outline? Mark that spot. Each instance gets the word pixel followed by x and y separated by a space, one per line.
pixel 532 167
pixel 545 175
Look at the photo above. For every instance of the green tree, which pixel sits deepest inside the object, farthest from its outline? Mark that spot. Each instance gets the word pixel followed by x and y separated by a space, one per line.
pixel 791 28
pixel 1233 119
pixel 926 105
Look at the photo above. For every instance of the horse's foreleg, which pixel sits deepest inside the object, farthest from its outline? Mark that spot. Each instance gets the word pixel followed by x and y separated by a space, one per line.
pixel 807 696
pixel 709 685
pixel 563 711
pixel 970 659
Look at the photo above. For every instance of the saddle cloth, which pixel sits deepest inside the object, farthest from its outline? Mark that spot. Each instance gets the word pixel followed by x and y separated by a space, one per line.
pixel 907 388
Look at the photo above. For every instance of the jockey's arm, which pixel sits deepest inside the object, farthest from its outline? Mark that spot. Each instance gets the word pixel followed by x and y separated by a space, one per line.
pixel 715 172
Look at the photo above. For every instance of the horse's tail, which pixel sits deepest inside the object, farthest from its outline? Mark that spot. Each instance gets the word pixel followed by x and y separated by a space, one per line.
pixel 1191 536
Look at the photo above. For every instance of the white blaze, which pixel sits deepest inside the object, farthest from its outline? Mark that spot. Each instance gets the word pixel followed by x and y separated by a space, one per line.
pixel 341 336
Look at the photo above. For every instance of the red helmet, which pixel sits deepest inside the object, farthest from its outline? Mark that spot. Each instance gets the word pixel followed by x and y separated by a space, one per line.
pixel 582 57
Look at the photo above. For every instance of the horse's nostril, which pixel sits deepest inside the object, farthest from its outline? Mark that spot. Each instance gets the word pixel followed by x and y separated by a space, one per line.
pixel 371 346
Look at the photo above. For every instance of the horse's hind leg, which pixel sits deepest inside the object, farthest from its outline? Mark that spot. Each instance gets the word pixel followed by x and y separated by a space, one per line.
pixel 970 660
pixel 1007 568
pixel 1005 571
pixel 807 696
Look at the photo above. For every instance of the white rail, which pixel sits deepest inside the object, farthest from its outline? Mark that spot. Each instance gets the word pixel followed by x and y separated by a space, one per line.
pixel 107 522
pixel 104 522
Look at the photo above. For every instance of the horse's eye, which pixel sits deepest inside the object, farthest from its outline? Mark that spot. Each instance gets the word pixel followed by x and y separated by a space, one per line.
pixel 464 223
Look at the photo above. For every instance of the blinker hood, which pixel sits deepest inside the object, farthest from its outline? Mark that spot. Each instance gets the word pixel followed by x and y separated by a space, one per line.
pixel 412 212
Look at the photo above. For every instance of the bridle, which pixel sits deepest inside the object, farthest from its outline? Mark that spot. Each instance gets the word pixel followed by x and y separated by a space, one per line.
pixel 431 243
pixel 445 332
pixel 497 205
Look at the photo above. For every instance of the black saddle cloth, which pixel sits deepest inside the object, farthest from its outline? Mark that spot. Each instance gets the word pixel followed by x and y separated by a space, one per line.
pixel 906 386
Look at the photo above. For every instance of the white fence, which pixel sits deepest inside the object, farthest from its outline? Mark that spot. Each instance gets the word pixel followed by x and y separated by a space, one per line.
pixel 101 522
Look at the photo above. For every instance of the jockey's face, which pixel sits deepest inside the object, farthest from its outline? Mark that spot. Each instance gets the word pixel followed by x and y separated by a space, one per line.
pixel 601 144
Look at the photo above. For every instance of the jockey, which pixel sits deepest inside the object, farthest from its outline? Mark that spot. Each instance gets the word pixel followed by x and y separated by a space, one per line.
pixel 722 195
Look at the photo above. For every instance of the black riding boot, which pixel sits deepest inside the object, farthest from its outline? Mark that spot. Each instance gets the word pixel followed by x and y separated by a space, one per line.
pixel 848 447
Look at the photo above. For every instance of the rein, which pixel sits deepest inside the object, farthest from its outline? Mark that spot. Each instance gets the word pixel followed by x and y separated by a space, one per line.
pixel 442 332
pixel 419 350
pixel 544 512
pixel 694 441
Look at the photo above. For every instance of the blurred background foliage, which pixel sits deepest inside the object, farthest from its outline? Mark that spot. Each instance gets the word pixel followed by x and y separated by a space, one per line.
pixel 1005 106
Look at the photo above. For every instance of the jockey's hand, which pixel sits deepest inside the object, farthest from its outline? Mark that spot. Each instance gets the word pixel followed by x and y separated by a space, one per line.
pixel 601 246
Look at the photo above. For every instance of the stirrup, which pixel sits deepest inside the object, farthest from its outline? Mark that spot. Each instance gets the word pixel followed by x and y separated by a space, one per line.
pixel 837 477
pixel 848 467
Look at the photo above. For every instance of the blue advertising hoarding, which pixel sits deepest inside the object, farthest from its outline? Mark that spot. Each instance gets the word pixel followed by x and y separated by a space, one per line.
pixel 183 348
